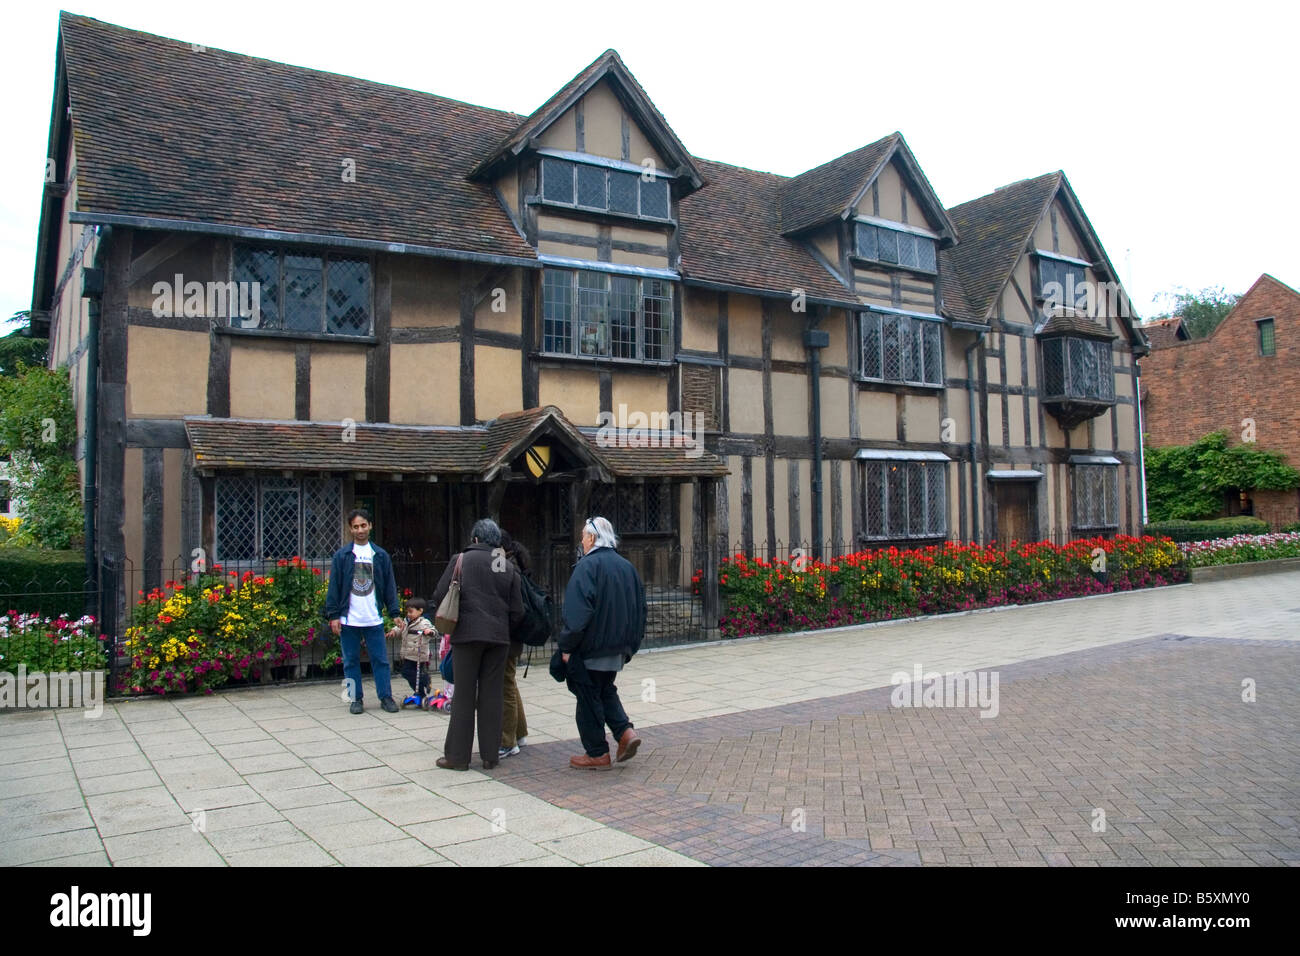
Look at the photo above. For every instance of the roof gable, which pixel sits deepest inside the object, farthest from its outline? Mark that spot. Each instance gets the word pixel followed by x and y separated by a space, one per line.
pixel 608 66
pixel 833 190
pixel 998 229
pixel 1246 303
pixel 995 229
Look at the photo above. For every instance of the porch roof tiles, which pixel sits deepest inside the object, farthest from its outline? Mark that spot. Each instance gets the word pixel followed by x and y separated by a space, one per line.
pixel 474 452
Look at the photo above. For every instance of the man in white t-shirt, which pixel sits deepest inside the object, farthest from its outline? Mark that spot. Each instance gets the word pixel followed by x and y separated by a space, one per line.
pixel 361 574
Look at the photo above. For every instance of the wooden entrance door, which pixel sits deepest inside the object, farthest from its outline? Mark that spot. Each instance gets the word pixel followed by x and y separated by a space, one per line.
pixel 1014 501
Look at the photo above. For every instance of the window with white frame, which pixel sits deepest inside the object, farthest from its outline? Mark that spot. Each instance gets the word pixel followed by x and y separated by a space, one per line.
pixel 904 498
pixel 267 519
pixel 604 189
pixel 895 247
pixel 305 292
pixel 901 348
pixel 600 315
pixel 1096 497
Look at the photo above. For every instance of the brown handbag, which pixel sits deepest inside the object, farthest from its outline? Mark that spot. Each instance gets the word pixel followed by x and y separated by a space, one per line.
pixel 448 613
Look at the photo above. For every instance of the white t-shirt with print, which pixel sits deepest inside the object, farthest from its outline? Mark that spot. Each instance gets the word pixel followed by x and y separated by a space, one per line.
pixel 363 603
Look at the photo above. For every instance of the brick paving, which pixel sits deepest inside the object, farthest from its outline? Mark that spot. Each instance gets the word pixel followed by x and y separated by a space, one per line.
pixel 1152 732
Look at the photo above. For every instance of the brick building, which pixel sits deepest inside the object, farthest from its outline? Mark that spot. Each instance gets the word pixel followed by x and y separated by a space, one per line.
pixel 1245 373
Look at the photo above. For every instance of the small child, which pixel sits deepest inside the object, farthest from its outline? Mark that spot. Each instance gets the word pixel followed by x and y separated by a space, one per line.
pixel 442 699
pixel 415 633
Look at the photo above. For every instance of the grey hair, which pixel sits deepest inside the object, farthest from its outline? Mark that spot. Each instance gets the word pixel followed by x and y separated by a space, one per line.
pixel 604 532
pixel 486 531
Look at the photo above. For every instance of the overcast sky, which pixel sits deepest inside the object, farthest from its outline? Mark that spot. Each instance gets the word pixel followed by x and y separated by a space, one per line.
pixel 1176 123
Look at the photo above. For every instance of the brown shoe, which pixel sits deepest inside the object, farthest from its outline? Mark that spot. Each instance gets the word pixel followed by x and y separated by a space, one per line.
pixel 583 762
pixel 445 764
pixel 627 745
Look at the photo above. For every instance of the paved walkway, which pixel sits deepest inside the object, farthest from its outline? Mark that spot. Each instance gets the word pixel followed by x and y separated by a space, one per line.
pixel 1123 712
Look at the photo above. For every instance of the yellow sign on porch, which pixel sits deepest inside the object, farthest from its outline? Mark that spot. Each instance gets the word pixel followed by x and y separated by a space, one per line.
pixel 539 460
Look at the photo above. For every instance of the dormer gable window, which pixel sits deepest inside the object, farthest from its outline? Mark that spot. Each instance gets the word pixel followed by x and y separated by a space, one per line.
pixel 603 185
pixel 895 244
pixel 1062 281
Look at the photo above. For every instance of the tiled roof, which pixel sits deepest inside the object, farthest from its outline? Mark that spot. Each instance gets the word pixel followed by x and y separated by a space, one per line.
pixel 1069 324
pixel 994 230
pixel 164 131
pixel 822 193
pixel 1164 332
pixel 956 305
pixel 226 443
pixel 472 451
pixel 731 233
pixel 209 136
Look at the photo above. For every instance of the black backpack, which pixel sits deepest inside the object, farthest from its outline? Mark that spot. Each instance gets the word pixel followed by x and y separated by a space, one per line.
pixel 535 629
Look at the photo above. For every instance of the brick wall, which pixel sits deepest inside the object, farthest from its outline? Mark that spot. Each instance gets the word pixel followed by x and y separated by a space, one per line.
pixel 1193 388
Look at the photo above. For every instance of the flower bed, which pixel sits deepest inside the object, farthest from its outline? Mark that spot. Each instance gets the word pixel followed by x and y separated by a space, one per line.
pixel 1243 547
pixel 765 597
pixel 50 644
pixel 208 629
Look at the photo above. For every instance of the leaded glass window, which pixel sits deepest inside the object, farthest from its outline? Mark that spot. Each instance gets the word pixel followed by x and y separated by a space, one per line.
pixel 596 314
pixel 901 348
pixel 588 186
pixel 269 519
pixel 304 292
pixel 904 499
pixel 1096 496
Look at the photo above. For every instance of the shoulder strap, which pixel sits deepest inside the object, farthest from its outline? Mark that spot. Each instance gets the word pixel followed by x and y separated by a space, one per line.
pixel 455 575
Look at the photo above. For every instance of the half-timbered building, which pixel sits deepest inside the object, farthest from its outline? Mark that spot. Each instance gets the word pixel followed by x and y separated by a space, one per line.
pixel 460 311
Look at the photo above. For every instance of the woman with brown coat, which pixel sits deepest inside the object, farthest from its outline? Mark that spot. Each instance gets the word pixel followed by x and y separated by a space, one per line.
pixel 491 604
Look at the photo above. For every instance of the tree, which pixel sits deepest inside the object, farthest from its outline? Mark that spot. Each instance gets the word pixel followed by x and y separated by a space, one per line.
pixel 38 433
pixel 1188 482
pixel 1202 311
pixel 19 347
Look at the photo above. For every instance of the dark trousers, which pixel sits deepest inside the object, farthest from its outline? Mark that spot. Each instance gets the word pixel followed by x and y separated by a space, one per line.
pixel 480 670
pixel 598 705
pixel 408 671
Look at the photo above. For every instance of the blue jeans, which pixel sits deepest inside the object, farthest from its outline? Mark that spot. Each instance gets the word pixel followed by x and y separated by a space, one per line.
pixel 350 641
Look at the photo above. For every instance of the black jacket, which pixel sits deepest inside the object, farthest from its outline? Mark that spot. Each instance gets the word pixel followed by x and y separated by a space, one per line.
pixel 491 602
pixel 604 607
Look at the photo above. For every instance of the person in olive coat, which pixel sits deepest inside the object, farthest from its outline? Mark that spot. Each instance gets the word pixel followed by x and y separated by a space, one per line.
pixel 491 605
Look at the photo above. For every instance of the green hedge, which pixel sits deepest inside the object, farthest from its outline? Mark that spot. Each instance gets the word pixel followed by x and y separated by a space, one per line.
pixel 1291 528
pixel 1206 530
pixel 49 582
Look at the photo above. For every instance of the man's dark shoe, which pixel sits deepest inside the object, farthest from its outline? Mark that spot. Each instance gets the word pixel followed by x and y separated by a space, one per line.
pixel 444 764
pixel 388 704
pixel 583 762
pixel 627 745
pixel 491 764
pixel 356 707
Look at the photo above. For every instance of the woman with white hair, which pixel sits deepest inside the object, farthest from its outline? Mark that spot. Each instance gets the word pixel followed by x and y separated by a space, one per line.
pixel 604 622
pixel 491 605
